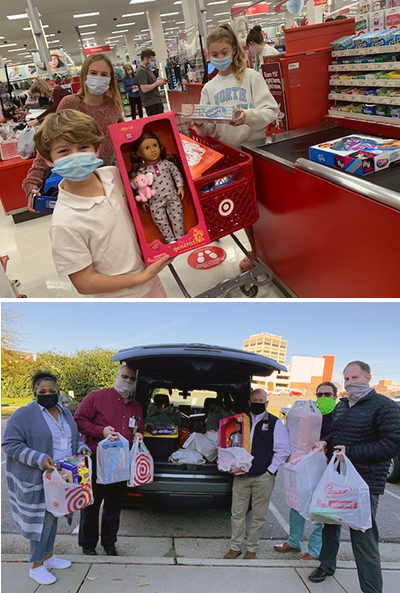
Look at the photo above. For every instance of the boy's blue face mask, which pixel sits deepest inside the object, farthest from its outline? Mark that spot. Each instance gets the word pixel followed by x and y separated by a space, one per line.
pixel 222 64
pixel 77 166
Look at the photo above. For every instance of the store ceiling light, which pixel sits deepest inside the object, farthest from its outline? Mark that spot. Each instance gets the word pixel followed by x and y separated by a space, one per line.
pixel 221 13
pixel 219 2
pixel 121 31
pixel 169 13
pixel 51 35
pixel 115 36
pixel 144 30
pixel 132 14
pixel 141 1
pixel 83 26
pixel 18 49
pixel 55 41
pixel 79 16
pixel 14 17
pixel 9 44
pixel 88 33
pixel 178 2
pixel 126 25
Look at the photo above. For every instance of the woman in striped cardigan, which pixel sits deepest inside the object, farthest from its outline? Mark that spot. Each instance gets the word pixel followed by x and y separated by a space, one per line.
pixel 34 436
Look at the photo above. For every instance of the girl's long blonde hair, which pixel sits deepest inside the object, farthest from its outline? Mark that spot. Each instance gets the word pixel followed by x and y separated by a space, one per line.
pixel 113 93
pixel 41 87
pixel 226 33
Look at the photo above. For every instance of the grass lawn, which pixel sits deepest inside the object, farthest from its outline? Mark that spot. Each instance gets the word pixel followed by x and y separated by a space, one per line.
pixel 10 404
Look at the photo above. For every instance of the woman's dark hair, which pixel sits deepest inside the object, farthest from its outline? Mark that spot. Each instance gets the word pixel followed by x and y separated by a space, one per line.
pixel 138 163
pixel 255 36
pixel 40 376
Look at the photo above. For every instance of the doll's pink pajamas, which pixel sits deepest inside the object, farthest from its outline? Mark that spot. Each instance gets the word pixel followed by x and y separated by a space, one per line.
pixel 166 206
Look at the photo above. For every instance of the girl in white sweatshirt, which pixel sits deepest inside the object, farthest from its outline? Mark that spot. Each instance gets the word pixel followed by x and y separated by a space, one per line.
pixel 246 90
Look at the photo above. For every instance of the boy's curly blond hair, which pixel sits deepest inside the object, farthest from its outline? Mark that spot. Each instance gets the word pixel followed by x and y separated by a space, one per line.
pixel 69 125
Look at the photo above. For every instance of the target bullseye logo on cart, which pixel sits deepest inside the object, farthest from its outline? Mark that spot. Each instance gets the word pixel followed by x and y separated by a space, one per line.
pixel 226 207
pixel 143 469
pixel 203 259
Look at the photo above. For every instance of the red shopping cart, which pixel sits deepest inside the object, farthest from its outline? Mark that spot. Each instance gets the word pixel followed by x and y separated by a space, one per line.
pixel 228 200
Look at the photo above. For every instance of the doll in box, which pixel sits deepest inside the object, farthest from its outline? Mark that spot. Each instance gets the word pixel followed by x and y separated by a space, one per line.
pixel 235 440
pixel 149 156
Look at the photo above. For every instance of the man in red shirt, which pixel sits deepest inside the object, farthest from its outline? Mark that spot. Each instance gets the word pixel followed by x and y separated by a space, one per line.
pixel 101 414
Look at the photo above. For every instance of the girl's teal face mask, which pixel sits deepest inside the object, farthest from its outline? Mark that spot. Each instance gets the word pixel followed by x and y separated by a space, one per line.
pixel 77 166
pixel 222 64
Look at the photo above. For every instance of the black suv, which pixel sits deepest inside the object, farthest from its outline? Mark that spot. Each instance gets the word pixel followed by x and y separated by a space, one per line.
pixel 193 375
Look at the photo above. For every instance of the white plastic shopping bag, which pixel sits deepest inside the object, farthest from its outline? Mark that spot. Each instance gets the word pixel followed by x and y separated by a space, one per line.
pixel 62 498
pixel 235 460
pixel 187 456
pixel 206 444
pixel 142 465
pixel 301 478
pixel 26 144
pixel 113 460
pixel 303 422
pixel 342 498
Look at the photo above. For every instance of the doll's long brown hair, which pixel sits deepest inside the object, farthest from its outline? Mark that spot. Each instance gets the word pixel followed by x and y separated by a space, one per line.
pixel 138 163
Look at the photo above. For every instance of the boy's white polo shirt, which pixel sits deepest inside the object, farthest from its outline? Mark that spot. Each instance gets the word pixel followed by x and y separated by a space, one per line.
pixel 98 231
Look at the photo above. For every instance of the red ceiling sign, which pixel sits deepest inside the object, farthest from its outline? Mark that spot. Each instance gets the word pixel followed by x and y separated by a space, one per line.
pixel 260 8
pixel 97 49
pixel 320 2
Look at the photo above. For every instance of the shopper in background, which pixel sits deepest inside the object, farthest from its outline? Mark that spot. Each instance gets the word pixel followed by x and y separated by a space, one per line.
pixel 92 233
pixel 101 414
pixel 365 428
pixel 244 89
pixel 41 90
pixel 326 401
pixel 270 448
pixel 256 42
pixel 98 97
pixel 35 436
pixel 149 84
pixel 132 90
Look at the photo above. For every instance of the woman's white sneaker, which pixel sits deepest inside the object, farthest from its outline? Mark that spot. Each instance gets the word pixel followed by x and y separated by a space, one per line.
pixel 54 562
pixel 41 575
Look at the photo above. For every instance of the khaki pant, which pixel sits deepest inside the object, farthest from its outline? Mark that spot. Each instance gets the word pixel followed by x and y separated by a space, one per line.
pixel 260 489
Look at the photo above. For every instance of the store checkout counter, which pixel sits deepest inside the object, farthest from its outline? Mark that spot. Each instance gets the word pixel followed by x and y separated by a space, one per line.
pixel 323 232
pixel 190 94
pixel 12 196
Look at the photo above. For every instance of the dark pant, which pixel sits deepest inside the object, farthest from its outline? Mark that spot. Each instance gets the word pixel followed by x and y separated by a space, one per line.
pixel 133 101
pixel 155 109
pixel 365 549
pixel 114 496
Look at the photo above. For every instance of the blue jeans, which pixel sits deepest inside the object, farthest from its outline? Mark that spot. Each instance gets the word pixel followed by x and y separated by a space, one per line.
pixel 297 527
pixel 46 543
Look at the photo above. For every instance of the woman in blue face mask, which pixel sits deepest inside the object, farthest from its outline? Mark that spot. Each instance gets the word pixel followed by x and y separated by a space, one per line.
pixel 240 87
pixel 98 97
pixel 35 436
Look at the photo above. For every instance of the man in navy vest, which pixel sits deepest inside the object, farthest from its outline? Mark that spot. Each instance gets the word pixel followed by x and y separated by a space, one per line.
pixel 270 448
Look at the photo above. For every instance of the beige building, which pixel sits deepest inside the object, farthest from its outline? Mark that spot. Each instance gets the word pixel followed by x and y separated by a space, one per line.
pixel 267 345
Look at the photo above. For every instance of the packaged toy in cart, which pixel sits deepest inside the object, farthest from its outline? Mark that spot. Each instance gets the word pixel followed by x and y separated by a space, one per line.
pixel 199 157
pixel 159 186
pixel 234 451
pixel 62 494
pixel 358 155
pixel 113 460
pixel 221 114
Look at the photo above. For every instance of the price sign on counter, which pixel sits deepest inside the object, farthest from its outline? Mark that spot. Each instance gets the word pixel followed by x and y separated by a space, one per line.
pixel 272 74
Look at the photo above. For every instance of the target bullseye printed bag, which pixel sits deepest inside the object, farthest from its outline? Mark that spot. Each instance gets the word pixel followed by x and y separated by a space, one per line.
pixel 62 497
pixel 142 466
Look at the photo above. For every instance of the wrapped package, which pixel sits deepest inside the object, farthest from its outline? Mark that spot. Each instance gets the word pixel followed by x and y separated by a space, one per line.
pixel 303 422
pixel 342 498
pixel 301 478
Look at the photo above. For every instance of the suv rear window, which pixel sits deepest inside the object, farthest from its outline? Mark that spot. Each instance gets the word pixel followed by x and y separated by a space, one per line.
pixel 195 399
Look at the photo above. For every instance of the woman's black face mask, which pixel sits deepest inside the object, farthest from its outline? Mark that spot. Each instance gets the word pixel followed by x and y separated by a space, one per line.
pixel 47 401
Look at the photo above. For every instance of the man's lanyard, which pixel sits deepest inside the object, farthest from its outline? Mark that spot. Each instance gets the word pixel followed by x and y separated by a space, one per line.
pixel 59 426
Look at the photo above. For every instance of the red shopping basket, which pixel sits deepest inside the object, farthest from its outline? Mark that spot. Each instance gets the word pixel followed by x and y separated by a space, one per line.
pixel 229 207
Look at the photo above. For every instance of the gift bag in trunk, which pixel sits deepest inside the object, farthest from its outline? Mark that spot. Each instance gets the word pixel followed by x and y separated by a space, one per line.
pixel 342 498
pixel 63 498
pixel 113 460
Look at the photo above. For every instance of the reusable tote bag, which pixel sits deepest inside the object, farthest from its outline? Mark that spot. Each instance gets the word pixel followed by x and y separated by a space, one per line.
pixel 63 498
pixel 301 478
pixel 113 460
pixel 342 498
pixel 142 466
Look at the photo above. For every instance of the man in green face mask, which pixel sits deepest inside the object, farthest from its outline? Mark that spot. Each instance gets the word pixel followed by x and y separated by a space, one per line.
pixel 326 401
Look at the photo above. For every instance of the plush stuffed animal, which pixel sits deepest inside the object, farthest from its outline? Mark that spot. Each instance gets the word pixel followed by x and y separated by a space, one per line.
pixel 141 183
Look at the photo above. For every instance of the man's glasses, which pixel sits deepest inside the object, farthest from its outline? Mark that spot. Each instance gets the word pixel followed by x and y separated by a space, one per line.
pixel 322 394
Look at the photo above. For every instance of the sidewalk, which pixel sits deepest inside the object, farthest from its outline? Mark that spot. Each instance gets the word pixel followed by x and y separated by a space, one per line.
pixel 182 565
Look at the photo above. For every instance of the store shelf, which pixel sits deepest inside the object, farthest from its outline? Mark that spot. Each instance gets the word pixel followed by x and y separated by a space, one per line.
pixel 364 99
pixel 389 82
pixel 391 121
pixel 366 51
pixel 366 66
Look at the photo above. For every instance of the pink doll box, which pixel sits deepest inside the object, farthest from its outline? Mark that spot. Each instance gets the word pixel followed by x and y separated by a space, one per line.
pixel 151 240
pixel 227 427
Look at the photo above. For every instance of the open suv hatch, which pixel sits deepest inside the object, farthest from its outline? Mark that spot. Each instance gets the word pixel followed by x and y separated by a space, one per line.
pixel 191 374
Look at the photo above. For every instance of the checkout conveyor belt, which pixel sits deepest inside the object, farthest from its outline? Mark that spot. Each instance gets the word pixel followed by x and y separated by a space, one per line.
pixel 290 150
